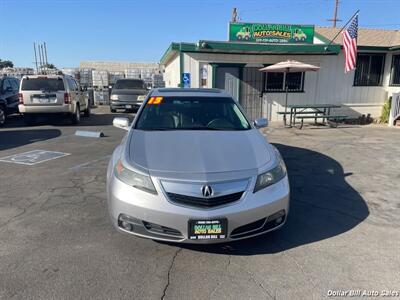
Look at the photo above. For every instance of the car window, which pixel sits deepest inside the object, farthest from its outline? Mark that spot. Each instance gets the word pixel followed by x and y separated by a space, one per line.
pixel 15 84
pixel 129 84
pixel 6 85
pixel 42 84
pixel 70 83
pixel 74 85
pixel 192 113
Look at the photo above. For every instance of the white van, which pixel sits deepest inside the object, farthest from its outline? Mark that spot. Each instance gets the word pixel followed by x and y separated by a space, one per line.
pixel 52 94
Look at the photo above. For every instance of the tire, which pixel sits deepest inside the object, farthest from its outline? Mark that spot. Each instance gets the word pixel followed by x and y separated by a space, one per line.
pixel 76 116
pixel 2 116
pixel 113 110
pixel 87 111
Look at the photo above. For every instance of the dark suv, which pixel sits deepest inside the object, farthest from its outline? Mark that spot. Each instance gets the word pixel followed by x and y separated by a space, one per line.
pixel 9 87
pixel 127 94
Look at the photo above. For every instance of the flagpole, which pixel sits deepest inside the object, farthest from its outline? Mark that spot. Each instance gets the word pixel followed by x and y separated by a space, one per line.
pixel 326 48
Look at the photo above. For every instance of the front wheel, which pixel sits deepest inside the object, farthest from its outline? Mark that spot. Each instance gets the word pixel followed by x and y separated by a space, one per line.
pixel 113 110
pixel 2 116
pixel 76 116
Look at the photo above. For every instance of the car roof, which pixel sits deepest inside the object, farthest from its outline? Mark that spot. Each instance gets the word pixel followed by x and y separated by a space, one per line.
pixel 189 92
pixel 123 79
pixel 47 76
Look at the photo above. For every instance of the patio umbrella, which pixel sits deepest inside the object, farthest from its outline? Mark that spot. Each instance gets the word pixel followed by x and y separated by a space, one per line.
pixel 289 66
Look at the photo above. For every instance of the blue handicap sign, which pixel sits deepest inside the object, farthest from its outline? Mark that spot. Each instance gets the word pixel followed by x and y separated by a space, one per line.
pixel 186 80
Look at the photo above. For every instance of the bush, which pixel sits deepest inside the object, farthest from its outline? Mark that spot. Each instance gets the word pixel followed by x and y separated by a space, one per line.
pixel 386 110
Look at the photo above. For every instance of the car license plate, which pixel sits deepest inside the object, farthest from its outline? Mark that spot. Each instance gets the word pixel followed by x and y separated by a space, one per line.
pixel 44 99
pixel 207 229
pixel 128 106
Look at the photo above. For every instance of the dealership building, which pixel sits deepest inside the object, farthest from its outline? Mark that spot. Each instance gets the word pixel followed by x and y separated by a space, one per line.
pixel 234 65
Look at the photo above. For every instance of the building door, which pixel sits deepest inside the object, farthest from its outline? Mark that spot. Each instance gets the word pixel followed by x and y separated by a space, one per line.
pixel 251 93
pixel 228 79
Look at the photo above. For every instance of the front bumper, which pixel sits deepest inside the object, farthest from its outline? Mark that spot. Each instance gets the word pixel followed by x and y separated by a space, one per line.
pixel 155 217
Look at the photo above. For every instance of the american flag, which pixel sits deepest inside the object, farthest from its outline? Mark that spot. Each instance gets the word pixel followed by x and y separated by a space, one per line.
pixel 350 45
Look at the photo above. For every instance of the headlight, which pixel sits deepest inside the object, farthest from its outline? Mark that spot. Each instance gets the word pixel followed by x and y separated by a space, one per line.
pixel 272 176
pixel 114 97
pixel 134 179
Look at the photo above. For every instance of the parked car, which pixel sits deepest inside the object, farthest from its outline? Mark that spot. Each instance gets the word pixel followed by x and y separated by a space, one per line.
pixel 8 97
pixel 125 94
pixel 193 169
pixel 52 94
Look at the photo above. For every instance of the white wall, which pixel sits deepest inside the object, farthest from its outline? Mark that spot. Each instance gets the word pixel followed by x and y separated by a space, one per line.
pixel 328 85
pixel 172 73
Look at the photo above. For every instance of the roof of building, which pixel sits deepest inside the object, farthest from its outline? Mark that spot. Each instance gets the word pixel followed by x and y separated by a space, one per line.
pixel 229 47
pixel 366 37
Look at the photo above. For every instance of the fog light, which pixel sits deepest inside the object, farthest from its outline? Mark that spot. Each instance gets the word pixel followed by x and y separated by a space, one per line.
pixel 277 217
pixel 126 225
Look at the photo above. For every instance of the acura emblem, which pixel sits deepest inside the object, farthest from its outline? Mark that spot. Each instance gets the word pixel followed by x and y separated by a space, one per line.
pixel 206 190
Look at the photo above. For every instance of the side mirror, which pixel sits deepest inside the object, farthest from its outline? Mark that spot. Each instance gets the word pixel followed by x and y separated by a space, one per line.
pixel 122 123
pixel 260 123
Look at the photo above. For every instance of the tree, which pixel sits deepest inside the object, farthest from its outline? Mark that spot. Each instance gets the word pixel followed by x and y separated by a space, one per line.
pixel 6 64
pixel 49 66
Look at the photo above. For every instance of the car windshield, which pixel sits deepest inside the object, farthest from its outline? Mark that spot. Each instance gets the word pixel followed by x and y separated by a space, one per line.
pixel 192 113
pixel 129 84
pixel 42 84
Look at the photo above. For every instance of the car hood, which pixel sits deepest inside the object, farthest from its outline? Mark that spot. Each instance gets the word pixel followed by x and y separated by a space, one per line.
pixel 197 152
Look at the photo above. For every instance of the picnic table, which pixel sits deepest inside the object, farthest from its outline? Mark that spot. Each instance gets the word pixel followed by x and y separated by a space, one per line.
pixel 311 111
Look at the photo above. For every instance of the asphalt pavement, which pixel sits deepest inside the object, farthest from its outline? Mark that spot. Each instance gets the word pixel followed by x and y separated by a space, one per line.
pixel 56 241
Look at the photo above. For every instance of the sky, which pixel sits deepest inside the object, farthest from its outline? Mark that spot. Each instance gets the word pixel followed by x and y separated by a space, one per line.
pixel 129 30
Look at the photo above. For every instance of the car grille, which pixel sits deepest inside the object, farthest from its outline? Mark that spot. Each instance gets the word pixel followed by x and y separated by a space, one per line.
pixel 248 227
pixel 158 229
pixel 256 227
pixel 204 202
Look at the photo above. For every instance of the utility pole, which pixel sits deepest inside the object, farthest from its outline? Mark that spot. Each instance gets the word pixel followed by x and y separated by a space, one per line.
pixel 41 48
pixel 234 15
pixel 335 12
pixel 45 52
pixel 40 60
pixel 34 49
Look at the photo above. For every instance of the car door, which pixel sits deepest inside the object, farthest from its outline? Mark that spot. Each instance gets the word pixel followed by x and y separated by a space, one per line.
pixel 80 95
pixel 14 99
pixel 72 91
pixel 10 95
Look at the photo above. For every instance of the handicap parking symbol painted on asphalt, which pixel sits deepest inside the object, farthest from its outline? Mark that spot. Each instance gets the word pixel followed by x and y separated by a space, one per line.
pixel 33 157
pixel 186 80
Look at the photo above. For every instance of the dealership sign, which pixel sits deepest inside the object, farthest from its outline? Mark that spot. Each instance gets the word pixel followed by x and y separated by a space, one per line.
pixel 271 33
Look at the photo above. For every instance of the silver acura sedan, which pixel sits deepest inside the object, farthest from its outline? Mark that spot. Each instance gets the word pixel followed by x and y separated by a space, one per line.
pixel 193 169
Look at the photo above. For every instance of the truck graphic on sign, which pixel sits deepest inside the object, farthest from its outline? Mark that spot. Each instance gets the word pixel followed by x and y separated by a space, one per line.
pixel 299 35
pixel 244 33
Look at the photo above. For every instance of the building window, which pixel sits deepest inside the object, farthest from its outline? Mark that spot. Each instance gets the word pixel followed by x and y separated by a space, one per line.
pixel 395 74
pixel 276 82
pixel 369 69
